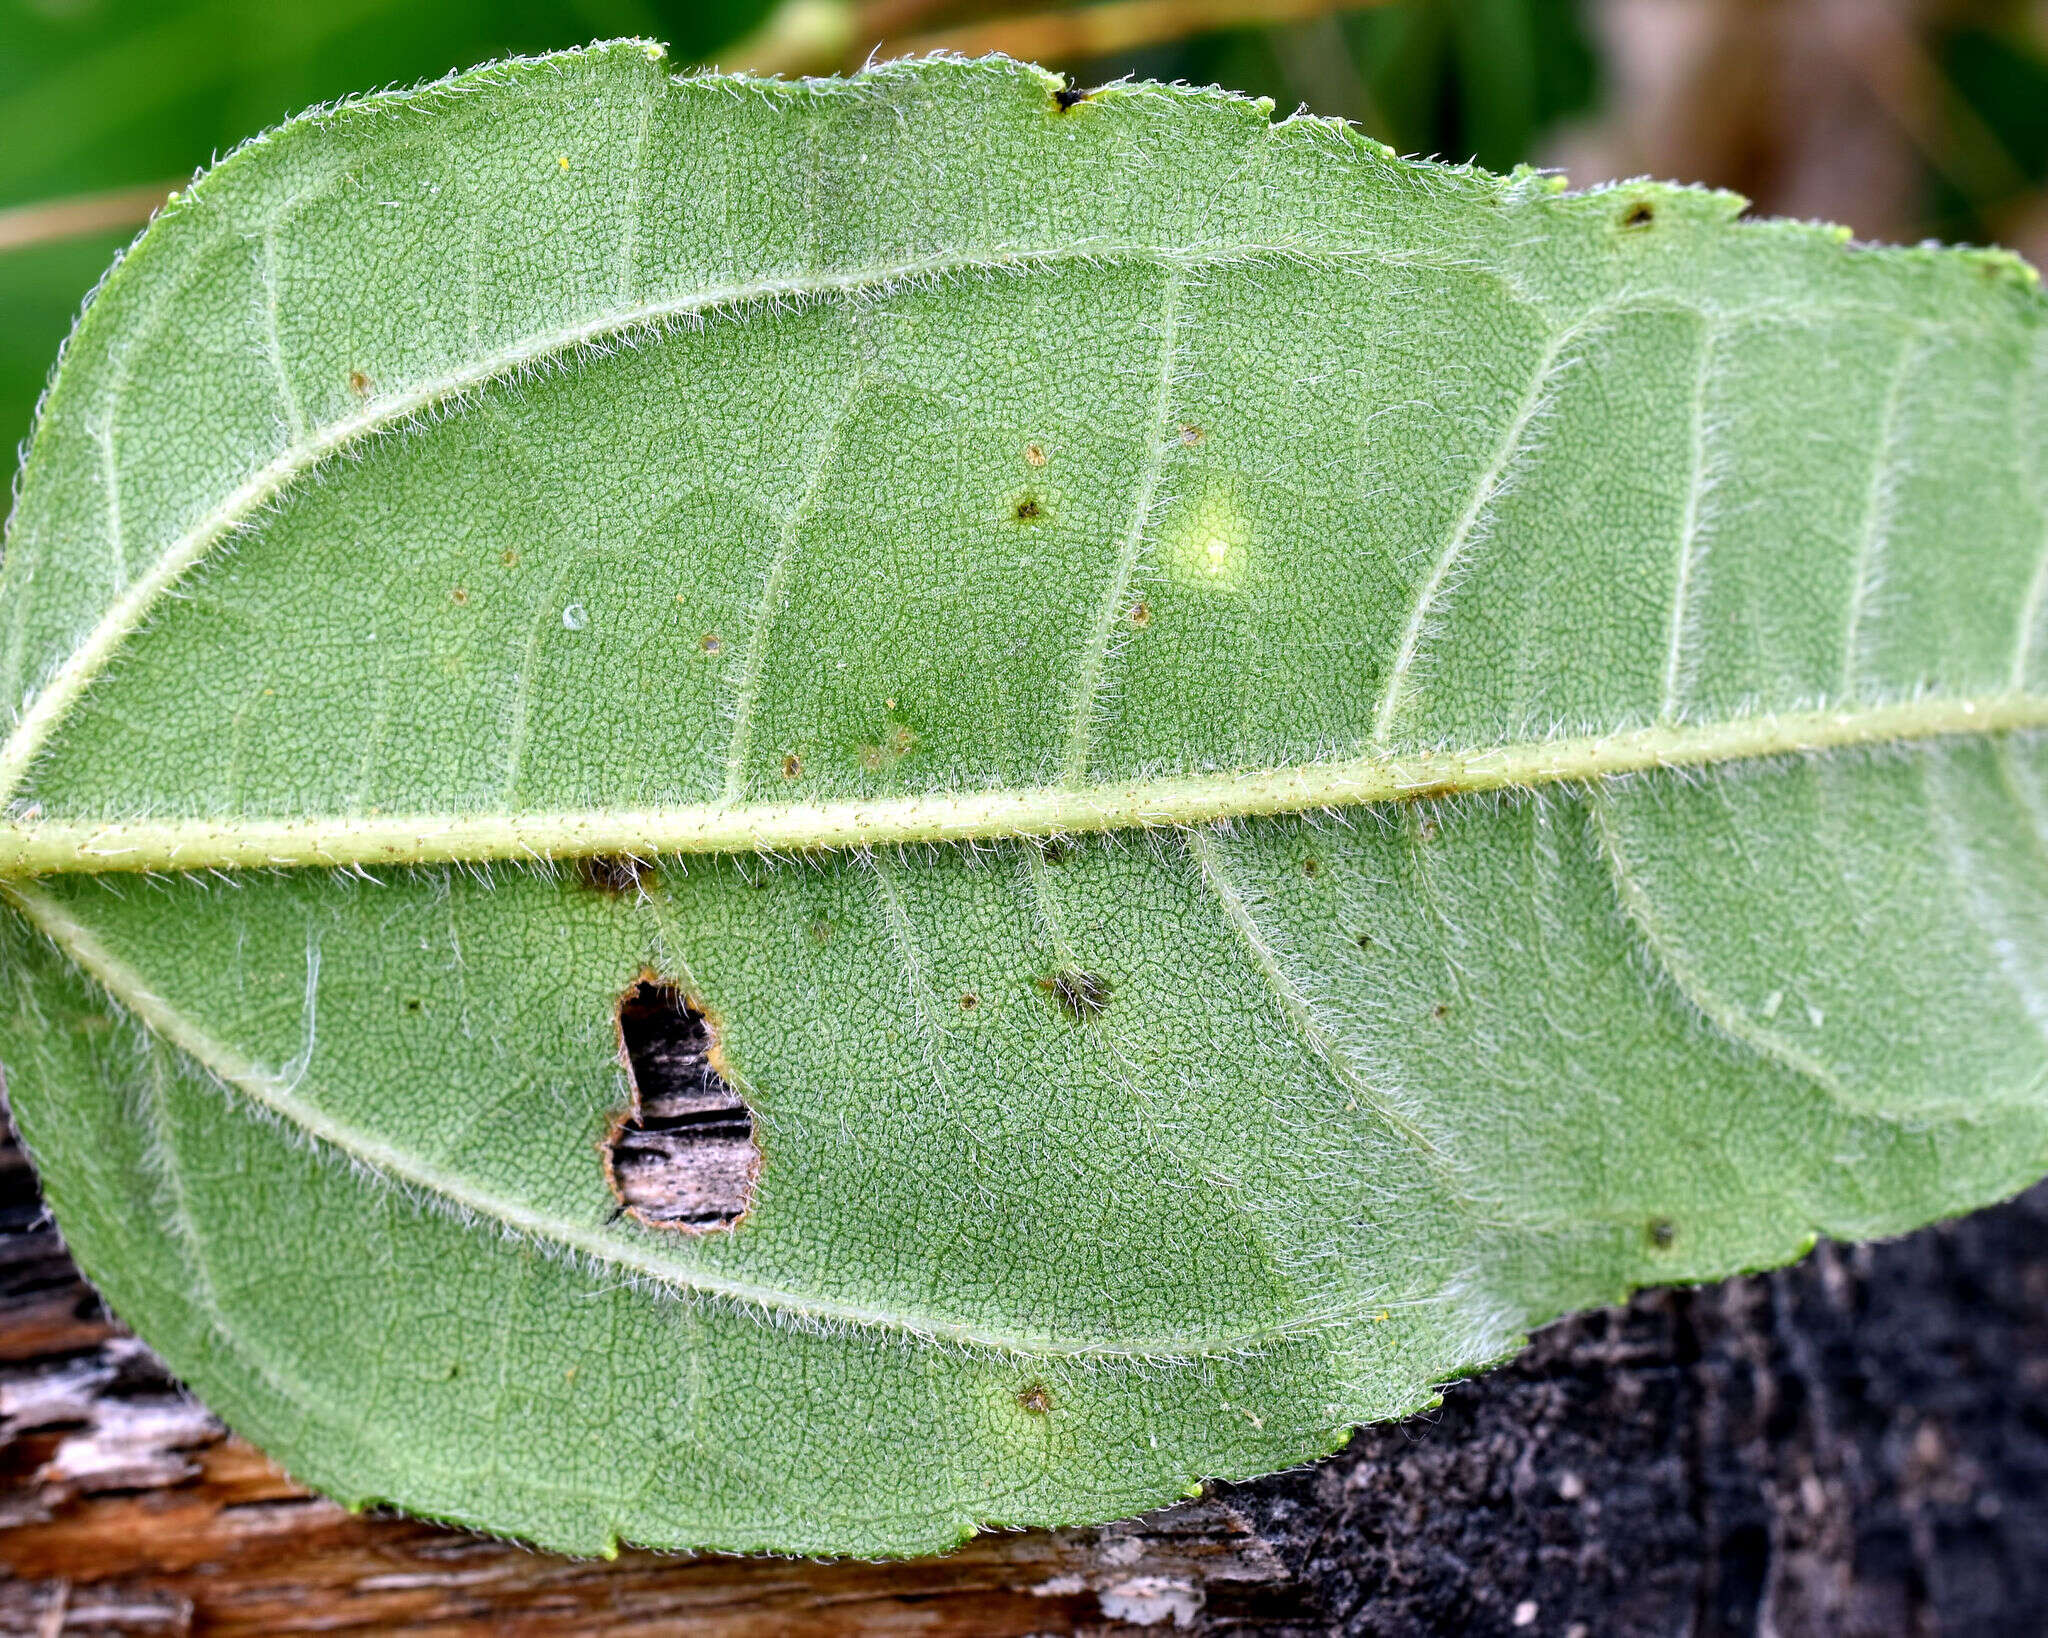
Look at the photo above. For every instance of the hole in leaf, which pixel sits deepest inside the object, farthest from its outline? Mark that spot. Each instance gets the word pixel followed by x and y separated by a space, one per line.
pixel 1141 615
pixel 1066 96
pixel 792 766
pixel 1081 996
pixel 969 1002
pixel 359 383
pixel 1028 510
pixel 1036 1399
pixel 1311 866
pixel 1190 435
pixel 683 1156
pixel 1639 215
pixel 610 873
pixel 711 642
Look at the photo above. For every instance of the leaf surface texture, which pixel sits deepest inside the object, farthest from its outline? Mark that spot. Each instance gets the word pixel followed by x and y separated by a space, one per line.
pixel 573 459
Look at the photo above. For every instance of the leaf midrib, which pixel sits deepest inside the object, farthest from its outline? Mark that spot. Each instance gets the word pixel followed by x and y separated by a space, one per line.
pixel 35 846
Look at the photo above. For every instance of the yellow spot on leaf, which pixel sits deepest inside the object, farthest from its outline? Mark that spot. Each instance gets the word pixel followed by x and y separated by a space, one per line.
pixel 1210 543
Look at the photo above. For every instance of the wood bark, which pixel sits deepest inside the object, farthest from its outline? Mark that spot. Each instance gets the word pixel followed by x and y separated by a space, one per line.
pixel 1853 1448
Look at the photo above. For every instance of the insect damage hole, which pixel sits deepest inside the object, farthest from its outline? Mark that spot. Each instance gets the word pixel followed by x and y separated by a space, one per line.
pixel 1081 996
pixel 617 874
pixel 683 1154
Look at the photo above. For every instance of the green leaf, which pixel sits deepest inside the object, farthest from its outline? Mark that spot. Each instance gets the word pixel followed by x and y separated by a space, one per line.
pixel 1261 765
pixel 99 96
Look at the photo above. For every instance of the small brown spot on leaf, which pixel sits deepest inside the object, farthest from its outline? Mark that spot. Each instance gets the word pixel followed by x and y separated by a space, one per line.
pixel 359 383
pixel 1066 97
pixel 1028 510
pixel 969 1001
pixel 1661 1232
pixel 1311 866
pixel 711 642
pixel 615 873
pixel 1081 996
pixel 413 1005
pixel 1036 1399
pixel 1639 215
pixel 792 766
pixel 509 558
pixel 1034 454
pixel 1141 615
pixel 459 595
pixel 821 931
pixel 1441 1010
pixel 902 739
pixel 683 1155
pixel 1190 434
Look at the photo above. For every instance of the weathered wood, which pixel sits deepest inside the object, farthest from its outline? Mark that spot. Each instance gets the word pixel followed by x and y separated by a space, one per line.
pixel 1856 1448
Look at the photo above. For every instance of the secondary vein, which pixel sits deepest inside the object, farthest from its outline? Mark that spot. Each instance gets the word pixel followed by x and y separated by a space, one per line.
pixel 1094 653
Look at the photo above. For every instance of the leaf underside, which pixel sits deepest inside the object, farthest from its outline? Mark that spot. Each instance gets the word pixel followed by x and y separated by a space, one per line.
pixel 573 450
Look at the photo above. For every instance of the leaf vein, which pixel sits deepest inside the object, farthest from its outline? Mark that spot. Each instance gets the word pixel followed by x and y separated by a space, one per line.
pixel 1094 652
pixel 1877 498
pixel 1726 1019
pixel 747 690
pixel 1299 1013
pixel 1688 528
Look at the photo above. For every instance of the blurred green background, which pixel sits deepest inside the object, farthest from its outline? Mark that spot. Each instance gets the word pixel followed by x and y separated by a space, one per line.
pixel 1902 118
